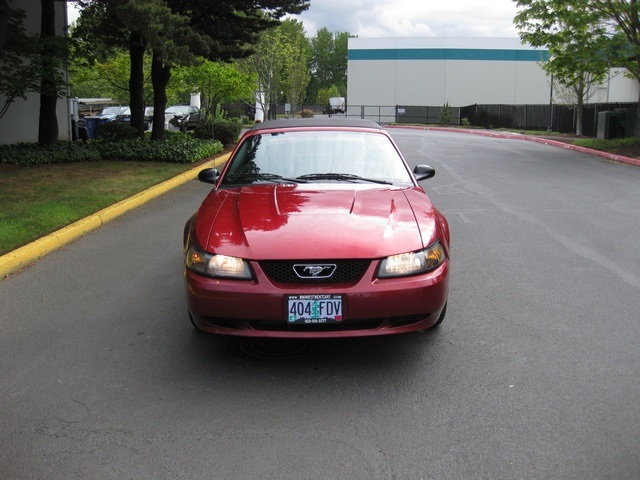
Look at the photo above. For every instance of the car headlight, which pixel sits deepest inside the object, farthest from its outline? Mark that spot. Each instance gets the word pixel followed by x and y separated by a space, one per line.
pixel 213 265
pixel 412 263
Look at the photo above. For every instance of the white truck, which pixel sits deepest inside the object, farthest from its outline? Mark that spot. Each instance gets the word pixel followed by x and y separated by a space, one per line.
pixel 336 105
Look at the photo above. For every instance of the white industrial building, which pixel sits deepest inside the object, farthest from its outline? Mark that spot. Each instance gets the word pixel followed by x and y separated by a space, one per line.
pixel 458 71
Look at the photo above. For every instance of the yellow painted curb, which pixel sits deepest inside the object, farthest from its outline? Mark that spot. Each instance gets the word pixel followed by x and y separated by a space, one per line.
pixel 27 254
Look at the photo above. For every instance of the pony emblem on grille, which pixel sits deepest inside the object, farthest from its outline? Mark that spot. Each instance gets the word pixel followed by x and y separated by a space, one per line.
pixel 314 270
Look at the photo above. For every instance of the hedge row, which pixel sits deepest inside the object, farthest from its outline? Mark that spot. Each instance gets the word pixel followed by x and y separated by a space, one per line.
pixel 177 148
pixel 226 131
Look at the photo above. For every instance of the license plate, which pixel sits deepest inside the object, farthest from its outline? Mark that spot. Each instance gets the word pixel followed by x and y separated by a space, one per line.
pixel 314 309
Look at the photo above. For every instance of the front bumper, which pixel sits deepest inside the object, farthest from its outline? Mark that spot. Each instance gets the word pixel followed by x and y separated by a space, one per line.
pixel 371 306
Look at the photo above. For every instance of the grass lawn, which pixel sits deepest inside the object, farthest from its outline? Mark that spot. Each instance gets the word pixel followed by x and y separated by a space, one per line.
pixel 38 200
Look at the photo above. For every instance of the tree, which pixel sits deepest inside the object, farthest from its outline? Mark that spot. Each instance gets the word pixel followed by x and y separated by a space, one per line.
pixel 321 64
pixel 108 77
pixel 231 28
pixel 596 32
pixel 266 65
pixel 324 94
pixel 577 42
pixel 177 30
pixel 295 71
pixel 341 61
pixel 217 82
pixel 623 19
pixel 18 74
pixel 141 26
pixel 234 29
pixel 33 63
pixel 328 62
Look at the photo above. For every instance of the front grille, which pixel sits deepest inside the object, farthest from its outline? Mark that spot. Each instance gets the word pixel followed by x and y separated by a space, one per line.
pixel 346 271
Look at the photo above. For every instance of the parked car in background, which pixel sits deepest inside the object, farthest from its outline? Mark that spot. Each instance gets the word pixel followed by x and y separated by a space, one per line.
pixel 183 117
pixel 88 126
pixel 316 228
pixel 148 117
pixel 110 113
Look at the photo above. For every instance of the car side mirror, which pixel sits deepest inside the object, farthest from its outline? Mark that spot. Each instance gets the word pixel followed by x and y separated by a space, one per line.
pixel 422 172
pixel 208 175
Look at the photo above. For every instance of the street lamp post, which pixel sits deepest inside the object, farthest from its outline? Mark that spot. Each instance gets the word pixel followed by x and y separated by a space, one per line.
pixel 550 126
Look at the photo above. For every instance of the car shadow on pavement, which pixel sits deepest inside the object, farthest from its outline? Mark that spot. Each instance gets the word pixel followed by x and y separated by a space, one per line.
pixel 388 349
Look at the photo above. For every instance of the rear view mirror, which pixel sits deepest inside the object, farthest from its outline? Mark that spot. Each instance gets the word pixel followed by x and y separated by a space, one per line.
pixel 422 172
pixel 208 175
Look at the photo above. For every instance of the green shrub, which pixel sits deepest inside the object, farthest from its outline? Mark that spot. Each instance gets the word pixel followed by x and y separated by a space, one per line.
pixel 446 115
pixel 225 131
pixel 61 152
pixel 614 145
pixel 177 148
pixel 181 148
pixel 116 131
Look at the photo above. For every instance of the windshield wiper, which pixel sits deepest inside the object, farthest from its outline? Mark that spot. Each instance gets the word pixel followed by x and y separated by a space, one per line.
pixel 342 176
pixel 262 176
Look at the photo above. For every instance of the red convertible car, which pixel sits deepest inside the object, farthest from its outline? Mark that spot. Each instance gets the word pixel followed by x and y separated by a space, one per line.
pixel 316 228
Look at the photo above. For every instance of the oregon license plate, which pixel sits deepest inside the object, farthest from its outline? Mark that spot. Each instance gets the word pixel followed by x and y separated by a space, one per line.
pixel 314 309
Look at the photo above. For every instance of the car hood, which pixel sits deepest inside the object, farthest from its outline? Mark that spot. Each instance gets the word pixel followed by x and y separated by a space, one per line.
pixel 302 221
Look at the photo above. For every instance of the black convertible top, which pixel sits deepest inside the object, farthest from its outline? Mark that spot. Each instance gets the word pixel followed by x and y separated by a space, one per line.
pixel 317 122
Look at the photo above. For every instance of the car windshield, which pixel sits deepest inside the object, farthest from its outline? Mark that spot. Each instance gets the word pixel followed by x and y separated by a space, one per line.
pixel 178 110
pixel 322 155
pixel 111 111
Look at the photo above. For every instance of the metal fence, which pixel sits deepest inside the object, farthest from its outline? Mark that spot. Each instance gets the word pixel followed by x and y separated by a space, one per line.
pixel 558 118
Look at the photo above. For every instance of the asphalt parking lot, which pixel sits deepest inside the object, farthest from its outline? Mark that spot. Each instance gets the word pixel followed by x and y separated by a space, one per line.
pixel 533 374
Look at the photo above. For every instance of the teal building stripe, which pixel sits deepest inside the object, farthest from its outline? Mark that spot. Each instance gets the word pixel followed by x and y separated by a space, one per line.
pixel 450 54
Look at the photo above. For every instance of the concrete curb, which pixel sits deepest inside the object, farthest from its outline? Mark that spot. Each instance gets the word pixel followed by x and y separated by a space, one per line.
pixel 29 253
pixel 517 136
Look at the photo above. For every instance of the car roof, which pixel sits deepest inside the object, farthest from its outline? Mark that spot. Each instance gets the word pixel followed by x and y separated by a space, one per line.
pixel 339 122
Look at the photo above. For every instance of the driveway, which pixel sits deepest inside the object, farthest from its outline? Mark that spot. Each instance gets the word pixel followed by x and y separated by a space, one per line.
pixel 533 374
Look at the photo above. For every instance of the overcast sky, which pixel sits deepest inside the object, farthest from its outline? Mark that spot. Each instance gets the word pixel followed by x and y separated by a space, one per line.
pixel 410 18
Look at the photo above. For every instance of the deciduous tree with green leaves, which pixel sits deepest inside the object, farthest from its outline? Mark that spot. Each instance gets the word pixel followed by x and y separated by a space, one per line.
pixel 295 68
pixel 329 62
pixel 577 43
pixel 217 82
pixel 623 19
pixel 584 38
